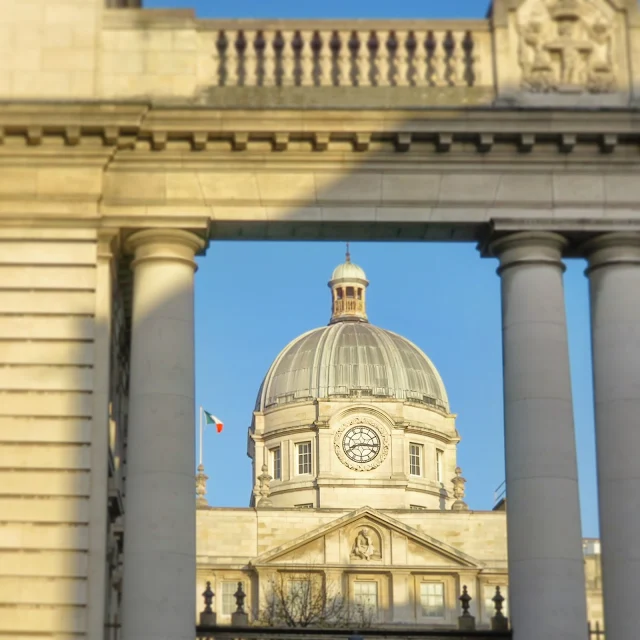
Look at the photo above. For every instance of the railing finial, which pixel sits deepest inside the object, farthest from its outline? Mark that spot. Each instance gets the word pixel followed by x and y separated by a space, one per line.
pixel 208 594
pixel 499 622
pixel 208 617
pixel 239 617
pixel 466 621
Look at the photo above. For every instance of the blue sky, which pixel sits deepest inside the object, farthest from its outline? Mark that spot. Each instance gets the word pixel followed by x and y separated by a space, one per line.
pixel 252 298
pixel 327 8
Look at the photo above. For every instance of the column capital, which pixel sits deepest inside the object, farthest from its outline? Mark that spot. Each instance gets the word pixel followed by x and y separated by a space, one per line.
pixel 108 243
pixel 528 247
pixel 164 244
pixel 611 248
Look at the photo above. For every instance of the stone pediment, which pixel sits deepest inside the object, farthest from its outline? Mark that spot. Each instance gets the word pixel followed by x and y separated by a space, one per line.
pixel 366 538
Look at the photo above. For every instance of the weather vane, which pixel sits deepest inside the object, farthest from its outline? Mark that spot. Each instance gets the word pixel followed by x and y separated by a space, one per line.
pixel 348 254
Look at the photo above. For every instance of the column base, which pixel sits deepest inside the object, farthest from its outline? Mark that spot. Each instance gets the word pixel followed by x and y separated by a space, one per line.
pixel 207 619
pixel 239 619
pixel 466 623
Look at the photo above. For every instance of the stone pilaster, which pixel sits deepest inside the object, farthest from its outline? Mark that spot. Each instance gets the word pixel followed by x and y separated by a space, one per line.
pixel 401 596
pixel 546 573
pixel 159 549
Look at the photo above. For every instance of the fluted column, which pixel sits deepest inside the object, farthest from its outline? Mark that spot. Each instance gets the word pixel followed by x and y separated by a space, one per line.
pixel 614 281
pixel 159 549
pixel 546 574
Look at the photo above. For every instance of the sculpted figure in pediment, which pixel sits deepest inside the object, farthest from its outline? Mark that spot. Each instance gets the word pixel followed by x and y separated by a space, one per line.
pixel 363 545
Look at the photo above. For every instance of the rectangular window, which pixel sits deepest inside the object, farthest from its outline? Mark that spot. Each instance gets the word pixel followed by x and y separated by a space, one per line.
pixel 228 598
pixel 299 598
pixel 304 458
pixel 432 599
pixel 306 505
pixel 415 459
pixel 276 463
pixel 365 595
pixel 439 465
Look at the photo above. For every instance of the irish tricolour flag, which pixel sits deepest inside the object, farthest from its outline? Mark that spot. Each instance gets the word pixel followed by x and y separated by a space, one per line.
pixel 209 418
pixel 205 419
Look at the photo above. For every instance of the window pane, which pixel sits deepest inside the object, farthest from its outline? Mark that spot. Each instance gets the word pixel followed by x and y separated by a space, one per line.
pixel 228 599
pixel 432 599
pixel 299 588
pixel 439 472
pixel 276 463
pixel 415 459
pixel 299 598
pixel 304 458
pixel 365 595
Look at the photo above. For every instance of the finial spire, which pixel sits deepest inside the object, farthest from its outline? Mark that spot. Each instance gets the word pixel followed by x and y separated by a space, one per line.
pixel 348 283
pixel 458 491
pixel 201 487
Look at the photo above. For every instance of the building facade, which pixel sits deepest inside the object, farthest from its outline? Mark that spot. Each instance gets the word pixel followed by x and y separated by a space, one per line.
pixel 356 486
pixel 130 138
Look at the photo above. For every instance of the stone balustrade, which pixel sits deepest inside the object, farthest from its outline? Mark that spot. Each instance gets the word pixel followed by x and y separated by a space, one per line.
pixel 349 54
pixel 583 53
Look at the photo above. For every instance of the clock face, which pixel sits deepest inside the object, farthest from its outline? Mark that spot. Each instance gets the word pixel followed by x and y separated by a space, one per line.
pixel 361 444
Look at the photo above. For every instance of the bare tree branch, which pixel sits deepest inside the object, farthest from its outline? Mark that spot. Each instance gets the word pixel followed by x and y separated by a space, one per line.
pixel 306 599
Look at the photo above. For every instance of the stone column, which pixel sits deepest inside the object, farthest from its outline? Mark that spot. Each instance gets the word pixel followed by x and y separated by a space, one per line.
pixel 159 545
pixel 614 281
pixel 546 573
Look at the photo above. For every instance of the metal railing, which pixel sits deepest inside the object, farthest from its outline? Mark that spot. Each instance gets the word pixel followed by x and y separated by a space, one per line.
pixel 306 633
pixel 500 493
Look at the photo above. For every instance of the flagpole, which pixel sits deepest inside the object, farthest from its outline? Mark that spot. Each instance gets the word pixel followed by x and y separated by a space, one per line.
pixel 200 435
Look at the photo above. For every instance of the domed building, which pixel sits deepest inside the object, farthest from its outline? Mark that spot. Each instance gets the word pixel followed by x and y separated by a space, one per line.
pixel 356 489
pixel 349 409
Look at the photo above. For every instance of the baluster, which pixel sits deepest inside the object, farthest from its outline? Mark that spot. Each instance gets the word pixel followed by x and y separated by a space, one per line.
pixel 420 59
pixel 216 59
pixel 344 59
pixel 457 61
pixel 250 59
pixel 403 58
pixel 326 59
pixel 472 66
pixel 306 59
pixel 232 58
pixel 362 67
pixel 220 58
pixel 269 59
pixel 439 60
pixel 382 57
pixel 288 59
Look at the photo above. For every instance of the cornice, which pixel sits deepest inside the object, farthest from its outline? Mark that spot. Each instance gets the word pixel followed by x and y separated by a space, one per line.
pixel 147 131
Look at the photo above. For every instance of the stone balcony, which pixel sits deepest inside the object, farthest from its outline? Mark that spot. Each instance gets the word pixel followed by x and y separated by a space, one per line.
pixel 551 53
pixel 562 53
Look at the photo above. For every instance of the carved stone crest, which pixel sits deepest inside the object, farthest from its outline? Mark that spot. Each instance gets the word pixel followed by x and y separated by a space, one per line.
pixel 370 425
pixel 565 46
